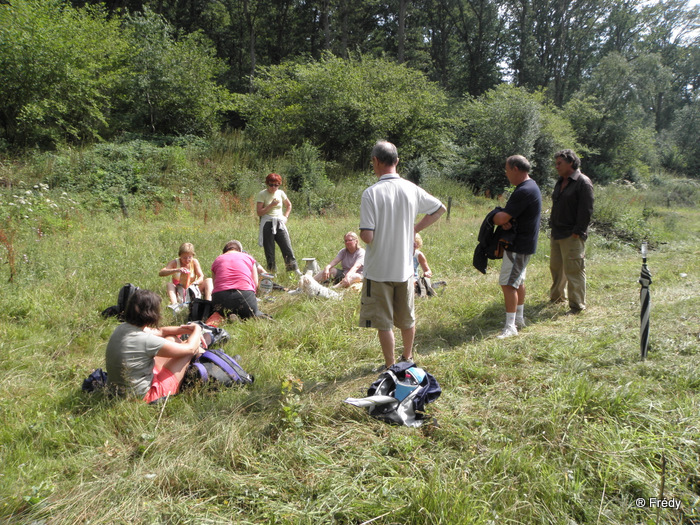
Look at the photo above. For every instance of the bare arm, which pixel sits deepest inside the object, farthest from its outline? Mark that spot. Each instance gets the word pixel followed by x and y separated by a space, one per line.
pixel 355 267
pixel 254 275
pixel 429 219
pixel 427 272
pixel 287 208
pixel 367 236
pixel 169 269
pixel 503 219
pixel 332 263
pixel 198 273
pixel 261 209
pixel 176 349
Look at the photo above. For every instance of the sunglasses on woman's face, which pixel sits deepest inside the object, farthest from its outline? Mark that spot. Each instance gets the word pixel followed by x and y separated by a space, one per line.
pixel 273 185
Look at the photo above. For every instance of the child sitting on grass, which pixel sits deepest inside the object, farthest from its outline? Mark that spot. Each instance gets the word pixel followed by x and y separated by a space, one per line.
pixel 419 259
pixel 185 272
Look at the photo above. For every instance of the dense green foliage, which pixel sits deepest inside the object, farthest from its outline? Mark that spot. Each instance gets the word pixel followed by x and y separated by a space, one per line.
pixel 170 89
pixel 75 75
pixel 344 106
pixel 59 68
pixel 616 79
pixel 508 121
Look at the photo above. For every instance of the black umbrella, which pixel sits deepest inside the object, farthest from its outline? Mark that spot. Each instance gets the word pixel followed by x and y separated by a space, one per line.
pixel 645 299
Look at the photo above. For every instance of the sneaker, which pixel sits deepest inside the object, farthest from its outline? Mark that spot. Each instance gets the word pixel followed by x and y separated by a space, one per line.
pixel 177 308
pixel 439 284
pixel 520 322
pixel 508 331
pixel 574 311
pixel 381 368
pixel 402 359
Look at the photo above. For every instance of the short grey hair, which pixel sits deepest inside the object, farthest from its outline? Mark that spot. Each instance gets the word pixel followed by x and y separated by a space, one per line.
pixel 385 152
pixel 519 162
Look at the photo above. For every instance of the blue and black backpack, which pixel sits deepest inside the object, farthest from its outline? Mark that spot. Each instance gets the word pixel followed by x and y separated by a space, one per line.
pixel 215 368
pixel 411 389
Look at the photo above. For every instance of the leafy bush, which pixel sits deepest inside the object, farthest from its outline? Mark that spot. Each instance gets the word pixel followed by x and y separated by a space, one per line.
pixel 59 67
pixel 507 121
pixel 343 107
pixel 171 88
pixel 76 75
pixel 306 173
pixel 617 215
pixel 140 171
pixel 684 140
pixel 609 118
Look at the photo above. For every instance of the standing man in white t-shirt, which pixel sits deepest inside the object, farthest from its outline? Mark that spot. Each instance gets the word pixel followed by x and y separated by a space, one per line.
pixel 387 214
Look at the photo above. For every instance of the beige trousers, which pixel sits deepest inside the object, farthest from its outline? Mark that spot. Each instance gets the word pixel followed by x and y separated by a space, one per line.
pixel 568 266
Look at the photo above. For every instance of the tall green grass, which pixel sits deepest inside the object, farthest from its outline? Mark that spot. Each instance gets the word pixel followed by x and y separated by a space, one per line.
pixel 560 425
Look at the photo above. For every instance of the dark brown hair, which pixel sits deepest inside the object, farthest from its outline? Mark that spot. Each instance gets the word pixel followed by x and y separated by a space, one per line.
pixel 570 157
pixel 232 245
pixel 143 309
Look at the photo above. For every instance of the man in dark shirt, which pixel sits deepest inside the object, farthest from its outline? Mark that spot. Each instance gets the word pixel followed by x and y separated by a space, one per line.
pixel 522 211
pixel 572 208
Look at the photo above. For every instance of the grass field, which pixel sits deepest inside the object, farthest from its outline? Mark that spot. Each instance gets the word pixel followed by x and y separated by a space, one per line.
pixel 561 425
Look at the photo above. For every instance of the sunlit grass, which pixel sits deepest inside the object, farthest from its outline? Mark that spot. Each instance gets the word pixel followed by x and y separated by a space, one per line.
pixel 562 424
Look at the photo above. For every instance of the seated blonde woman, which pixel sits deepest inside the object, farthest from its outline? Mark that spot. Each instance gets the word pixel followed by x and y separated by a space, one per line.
pixel 351 260
pixel 185 272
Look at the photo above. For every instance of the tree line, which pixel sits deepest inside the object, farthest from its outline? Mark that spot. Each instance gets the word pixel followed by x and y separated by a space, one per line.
pixel 450 80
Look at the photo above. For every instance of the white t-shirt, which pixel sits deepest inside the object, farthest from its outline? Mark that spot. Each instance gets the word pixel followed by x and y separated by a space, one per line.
pixel 266 198
pixel 389 208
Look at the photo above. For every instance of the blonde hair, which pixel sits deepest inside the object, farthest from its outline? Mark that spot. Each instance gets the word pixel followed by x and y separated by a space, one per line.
pixel 418 241
pixel 353 235
pixel 186 247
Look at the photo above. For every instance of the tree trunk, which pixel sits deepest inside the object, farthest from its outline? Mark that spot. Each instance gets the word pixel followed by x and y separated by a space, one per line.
pixel 402 30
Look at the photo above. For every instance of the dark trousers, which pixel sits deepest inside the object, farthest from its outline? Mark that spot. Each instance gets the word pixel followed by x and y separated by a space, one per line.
pixel 282 240
pixel 243 303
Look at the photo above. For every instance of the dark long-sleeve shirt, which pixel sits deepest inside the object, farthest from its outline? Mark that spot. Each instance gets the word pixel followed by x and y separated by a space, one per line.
pixel 572 208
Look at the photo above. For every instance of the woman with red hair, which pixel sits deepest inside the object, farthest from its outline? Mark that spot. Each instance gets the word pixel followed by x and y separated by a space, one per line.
pixel 273 208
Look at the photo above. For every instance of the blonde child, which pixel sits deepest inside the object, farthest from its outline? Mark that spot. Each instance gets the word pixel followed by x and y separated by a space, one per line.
pixel 185 272
pixel 419 259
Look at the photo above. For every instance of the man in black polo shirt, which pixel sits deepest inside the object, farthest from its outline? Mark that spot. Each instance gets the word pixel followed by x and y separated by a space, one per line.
pixel 572 208
pixel 522 212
